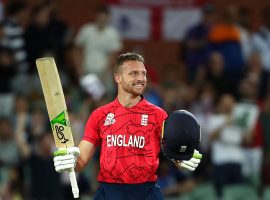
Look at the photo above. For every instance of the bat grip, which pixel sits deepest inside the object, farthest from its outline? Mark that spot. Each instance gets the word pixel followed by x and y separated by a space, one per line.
pixel 73 181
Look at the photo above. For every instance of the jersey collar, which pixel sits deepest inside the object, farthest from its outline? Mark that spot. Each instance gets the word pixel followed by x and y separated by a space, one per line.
pixel 138 104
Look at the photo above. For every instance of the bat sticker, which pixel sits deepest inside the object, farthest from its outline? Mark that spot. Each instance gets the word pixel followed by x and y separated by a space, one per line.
pixel 59 132
pixel 60 119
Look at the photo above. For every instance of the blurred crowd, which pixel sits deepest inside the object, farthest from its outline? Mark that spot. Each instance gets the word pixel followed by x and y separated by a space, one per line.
pixel 226 86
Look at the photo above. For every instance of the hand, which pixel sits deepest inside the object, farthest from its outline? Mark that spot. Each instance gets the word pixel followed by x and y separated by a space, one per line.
pixel 229 120
pixel 191 164
pixel 65 159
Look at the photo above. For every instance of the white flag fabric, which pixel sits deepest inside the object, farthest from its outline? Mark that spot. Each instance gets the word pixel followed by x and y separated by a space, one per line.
pixel 155 19
pixel 133 23
pixel 177 21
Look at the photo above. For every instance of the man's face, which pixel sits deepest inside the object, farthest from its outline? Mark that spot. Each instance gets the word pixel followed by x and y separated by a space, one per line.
pixel 5 130
pixel 226 104
pixel 132 77
pixel 102 19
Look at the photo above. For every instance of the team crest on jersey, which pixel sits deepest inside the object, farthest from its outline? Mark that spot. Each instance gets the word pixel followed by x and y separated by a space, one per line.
pixel 144 120
pixel 109 119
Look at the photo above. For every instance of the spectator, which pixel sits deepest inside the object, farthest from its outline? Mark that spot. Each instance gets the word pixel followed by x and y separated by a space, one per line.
pixel 72 62
pixel 99 43
pixel 244 25
pixel 38 123
pixel 46 36
pixel 7 71
pixel 256 71
pixel 246 115
pixel 16 19
pixel 216 76
pixel 9 154
pixel 203 109
pixel 227 153
pixel 21 108
pixel 9 158
pixel 261 40
pixel 13 27
pixel 195 44
pixel 40 162
pixel 225 39
pixel 37 157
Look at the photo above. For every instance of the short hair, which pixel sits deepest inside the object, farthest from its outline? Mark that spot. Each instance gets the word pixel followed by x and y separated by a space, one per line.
pixel 40 7
pixel 103 9
pixel 126 57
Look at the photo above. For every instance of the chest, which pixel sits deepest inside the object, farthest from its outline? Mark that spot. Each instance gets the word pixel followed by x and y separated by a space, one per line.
pixel 98 38
pixel 129 122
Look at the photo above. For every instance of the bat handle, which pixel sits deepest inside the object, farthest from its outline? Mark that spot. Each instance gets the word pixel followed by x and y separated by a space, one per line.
pixel 73 181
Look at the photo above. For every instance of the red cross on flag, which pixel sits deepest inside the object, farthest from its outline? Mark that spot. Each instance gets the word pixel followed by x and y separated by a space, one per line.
pixel 154 19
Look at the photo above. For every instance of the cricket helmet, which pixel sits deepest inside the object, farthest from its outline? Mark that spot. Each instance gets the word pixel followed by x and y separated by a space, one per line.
pixel 181 135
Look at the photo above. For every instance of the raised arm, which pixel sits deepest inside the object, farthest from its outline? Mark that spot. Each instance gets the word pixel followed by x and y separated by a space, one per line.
pixel 73 157
pixel 87 150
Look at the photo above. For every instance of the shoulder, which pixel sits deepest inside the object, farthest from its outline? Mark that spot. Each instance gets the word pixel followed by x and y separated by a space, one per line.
pixel 111 30
pixel 156 109
pixel 87 27
pixel 103 109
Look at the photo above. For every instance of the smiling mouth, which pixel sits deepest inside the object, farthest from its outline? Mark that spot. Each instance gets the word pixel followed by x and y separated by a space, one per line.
pixel 138 85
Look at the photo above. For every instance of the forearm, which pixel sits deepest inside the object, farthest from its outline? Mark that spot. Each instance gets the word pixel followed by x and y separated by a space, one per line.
pixel 87 150
pixel 24 148
pixel 80 165
pixel 215 135
pixel 22 144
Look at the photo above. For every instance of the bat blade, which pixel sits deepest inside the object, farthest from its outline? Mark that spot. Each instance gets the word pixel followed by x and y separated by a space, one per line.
pixel 55 102
pixel 57 110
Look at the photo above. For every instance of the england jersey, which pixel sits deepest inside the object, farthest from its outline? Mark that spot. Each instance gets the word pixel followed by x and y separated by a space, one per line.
pixel 129 140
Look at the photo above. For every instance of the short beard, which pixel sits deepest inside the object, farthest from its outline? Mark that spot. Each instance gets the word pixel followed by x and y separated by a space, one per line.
pixel 134 92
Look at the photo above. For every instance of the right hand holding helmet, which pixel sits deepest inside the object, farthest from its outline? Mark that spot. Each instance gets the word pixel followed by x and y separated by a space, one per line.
pixel 191 164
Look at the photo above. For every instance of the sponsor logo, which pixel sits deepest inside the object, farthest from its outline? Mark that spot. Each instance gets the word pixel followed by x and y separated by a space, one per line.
pixel 59 132
pixel 62 120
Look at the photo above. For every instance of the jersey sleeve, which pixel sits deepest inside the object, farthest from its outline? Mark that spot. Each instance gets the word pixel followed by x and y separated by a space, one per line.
pixel 91 133
pixel 115 42
pixel 164 115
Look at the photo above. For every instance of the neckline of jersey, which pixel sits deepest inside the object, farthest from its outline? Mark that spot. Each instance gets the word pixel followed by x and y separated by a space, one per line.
pixel 132 107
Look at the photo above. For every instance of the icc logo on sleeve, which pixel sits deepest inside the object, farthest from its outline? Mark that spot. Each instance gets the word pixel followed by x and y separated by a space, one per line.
pixel 109 119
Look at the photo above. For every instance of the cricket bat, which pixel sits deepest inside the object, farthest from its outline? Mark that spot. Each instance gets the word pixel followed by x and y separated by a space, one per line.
pixel 57 109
